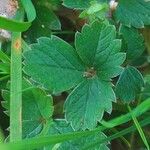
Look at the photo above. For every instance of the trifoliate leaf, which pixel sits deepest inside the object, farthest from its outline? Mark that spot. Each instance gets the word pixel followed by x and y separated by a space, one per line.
pixel 61 127
pixel 87 102
pixel 54 63
pixel 59 67
pixel 129 84
pixel 134 42
pixel 134 13
pixel 37 109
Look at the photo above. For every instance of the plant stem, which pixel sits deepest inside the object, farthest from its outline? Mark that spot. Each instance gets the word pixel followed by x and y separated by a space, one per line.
pixel 15 89
pixel 16 84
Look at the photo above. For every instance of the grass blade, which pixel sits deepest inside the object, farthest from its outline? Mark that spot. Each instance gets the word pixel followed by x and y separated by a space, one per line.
pixel 43 141
pixel 139 130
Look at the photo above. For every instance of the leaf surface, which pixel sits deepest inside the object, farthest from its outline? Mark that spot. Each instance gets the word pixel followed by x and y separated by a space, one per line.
pixel 80 4
pixel 129 84
pixel 54 63
pixel 134 42
pixel 37 109
pixel 87 103
pixel 134 13
pixel 61 127
pixel 45 21
pixel 102 51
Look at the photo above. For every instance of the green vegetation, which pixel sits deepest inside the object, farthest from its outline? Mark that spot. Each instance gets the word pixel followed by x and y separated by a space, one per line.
pixel 75 74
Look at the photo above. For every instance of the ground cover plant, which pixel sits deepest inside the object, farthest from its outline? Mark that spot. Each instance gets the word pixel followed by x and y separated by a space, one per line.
pixel 75 74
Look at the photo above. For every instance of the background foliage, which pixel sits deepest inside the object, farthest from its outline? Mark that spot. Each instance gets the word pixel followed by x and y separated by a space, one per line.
pixel 75 75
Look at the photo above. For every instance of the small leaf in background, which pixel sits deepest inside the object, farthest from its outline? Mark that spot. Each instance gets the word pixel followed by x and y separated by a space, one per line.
pixel 134 42
pixel 37 109
pixel 4 69
pixel 146 35
pixel 45 22
pixel 60 127
pixel 59 67
pixel 80 4
pixel 146 91
pixel 134 13
pixel 129 84
pixel 95 11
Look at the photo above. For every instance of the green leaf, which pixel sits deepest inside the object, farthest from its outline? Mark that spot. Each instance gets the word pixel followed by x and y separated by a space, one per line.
pixel 134 13
pixel 87 103
pixel 61 127
pixel 54 63
pixel 102 51
pixel 58 67
pixel 37 109
pixel 80 4
pixel 3 57
pixel 45 22
pixel 46 17
pixel 134 42
pixel 4 69
pixel 145 92
pixel 95 11
pixel 129 84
